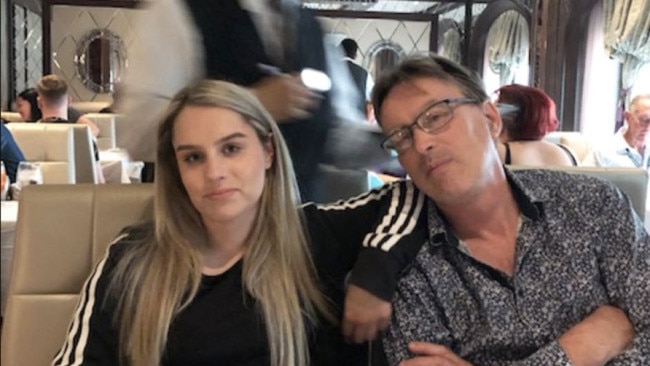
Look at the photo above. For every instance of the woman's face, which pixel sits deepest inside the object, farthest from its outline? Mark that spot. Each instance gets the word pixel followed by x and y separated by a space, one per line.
pixel 24 108
pixel 222 163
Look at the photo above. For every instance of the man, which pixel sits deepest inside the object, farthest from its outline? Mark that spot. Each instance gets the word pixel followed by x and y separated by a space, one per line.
pixel 262 45
pixel 53 101
pixel 361 76
pixel 628 146
pixel 526 267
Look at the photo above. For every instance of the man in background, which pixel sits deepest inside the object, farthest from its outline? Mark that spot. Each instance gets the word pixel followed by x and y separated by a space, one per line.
pixel 629 146
pixel 54 101
pixel 362 78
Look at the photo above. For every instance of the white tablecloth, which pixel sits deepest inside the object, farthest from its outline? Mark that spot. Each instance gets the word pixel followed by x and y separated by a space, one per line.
pixel 9 218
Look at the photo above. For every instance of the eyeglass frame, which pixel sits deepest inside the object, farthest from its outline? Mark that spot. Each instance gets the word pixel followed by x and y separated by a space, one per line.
pixel 417 121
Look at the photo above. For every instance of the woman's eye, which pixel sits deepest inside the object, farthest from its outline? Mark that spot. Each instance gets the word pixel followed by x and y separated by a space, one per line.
pixel 230 149
pixel 192 158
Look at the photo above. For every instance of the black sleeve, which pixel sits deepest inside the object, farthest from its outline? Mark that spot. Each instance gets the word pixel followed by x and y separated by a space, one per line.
pixel 92 339
pixel 375 234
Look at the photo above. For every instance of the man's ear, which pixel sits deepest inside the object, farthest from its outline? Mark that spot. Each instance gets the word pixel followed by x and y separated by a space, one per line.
pixel 69 99
pixel 495 122
pixel 39 102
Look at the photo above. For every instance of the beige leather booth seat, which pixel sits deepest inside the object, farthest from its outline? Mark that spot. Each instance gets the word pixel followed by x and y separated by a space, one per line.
pixel 85 166
pixel 106 139
pixel 89 107
pixel 62 231
pixel 11 116
pixel 575 141
pixel 632 181
pixel 50 145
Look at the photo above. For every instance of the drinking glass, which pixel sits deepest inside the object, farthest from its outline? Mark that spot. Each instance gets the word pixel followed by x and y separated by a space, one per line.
pixel 28 173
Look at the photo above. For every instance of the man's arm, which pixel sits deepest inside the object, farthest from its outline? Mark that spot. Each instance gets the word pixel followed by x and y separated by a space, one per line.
pixel 596 340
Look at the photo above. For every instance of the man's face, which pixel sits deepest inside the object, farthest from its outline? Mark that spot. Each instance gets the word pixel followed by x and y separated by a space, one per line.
pixel 454 163
pixel 638 120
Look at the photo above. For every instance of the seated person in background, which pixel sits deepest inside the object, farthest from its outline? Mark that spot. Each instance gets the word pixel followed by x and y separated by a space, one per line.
pixel 226 275
pixel 53 100
pixel 629 146
pixel 10 153
pixel 29 109
pixel 528 267
pixel 530 118
pixel 27 105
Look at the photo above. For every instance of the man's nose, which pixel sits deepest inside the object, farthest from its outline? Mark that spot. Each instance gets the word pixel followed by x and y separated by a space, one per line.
pixel 422 140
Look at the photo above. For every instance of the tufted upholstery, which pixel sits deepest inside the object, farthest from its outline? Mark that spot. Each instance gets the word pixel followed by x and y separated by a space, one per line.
pixel 50 145
pixel 62 231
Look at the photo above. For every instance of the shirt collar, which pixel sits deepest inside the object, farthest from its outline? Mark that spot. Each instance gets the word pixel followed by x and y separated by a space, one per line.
pixel 530 204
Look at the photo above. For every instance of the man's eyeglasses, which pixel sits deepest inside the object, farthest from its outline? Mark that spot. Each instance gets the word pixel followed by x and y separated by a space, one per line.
pixel 432 119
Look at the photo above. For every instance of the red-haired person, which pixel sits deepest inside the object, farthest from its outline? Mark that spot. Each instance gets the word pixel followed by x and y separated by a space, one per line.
pixel 528 115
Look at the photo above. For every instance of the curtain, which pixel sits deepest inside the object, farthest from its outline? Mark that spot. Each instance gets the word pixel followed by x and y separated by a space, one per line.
pixel 507 45
pixel 451 45
pixel 627 35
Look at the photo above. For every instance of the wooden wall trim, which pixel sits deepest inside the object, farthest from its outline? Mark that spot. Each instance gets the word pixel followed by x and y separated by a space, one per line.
pixel 575 51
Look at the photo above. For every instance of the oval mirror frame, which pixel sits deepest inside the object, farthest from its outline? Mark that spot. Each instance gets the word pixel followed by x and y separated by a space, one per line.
pixel 382 55
pixel 101 60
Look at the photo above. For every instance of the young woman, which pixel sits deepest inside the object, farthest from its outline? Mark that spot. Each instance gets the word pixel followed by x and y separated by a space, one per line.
pixel 27 105
pixel 226 275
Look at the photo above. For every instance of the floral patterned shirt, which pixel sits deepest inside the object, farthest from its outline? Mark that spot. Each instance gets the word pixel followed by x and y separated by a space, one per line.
pixel 580 245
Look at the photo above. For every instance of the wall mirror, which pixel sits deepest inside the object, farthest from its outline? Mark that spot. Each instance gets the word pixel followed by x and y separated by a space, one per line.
pixel 101 60
pixel 382 55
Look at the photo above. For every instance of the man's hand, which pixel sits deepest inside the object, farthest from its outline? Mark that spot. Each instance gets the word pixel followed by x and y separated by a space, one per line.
pixel 601 336
pixel 285 97
pixel 430 354
pixel 365 315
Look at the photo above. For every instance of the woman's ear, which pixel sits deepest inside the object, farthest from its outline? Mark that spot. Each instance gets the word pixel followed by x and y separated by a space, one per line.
pixel 269 152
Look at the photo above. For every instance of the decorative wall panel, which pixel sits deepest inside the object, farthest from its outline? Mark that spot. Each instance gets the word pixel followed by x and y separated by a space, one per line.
pixel 27 48
pixel 69 26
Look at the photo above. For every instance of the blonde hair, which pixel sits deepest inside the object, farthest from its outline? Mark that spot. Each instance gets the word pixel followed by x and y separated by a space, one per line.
pixel 161 275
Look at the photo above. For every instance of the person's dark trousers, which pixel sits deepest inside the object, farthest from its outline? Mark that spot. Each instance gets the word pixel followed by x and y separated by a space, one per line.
pixel 147 173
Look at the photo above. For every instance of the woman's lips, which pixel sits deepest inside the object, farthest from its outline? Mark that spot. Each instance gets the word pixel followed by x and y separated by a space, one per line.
pixel 221 194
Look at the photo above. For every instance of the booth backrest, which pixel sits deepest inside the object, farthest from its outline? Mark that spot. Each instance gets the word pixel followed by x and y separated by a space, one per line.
pixel 61 233
pixel 50 145
pixel 632 181
pixel 86 165
pixel 11 116
pixel 89 107
pixel 106 139
pixel 575 141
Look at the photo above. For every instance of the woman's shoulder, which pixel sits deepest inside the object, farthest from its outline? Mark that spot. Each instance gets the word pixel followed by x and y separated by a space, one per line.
pixel 539 152
pixel 130 238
